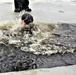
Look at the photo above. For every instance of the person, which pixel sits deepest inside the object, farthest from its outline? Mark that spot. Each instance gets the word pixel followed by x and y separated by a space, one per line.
pixel 26 24
pixel 21 5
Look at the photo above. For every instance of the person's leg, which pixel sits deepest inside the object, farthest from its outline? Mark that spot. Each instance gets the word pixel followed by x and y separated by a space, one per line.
pixel 18 5
pixel 26 5
pixel 15 4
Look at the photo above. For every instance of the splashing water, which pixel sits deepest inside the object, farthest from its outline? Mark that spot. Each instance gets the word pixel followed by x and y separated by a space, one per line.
pixel 46 39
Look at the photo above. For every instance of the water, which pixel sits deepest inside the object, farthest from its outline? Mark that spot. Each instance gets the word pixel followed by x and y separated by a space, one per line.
pixel 58 21
pixel 59 37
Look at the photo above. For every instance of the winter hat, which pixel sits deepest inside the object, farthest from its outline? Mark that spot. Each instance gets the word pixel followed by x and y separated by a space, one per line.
pixel 27 18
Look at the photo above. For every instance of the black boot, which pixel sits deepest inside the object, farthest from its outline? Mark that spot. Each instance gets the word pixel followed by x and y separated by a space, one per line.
pixel 17 10
pixel 28 9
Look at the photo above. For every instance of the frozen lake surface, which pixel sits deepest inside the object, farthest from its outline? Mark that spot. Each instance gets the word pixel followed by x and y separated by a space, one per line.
pixel 53 71
pixel 42 11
